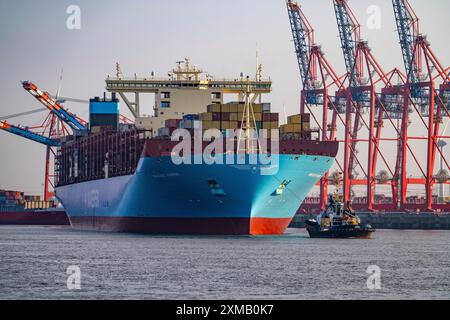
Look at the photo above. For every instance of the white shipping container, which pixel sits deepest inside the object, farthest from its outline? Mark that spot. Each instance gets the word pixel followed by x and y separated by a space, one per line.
pixel 164 132
pixel 190 124
pixel 266 107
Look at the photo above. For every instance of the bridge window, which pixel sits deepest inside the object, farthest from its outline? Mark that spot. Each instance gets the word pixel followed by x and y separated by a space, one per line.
pixel 165 104
pixel 165 95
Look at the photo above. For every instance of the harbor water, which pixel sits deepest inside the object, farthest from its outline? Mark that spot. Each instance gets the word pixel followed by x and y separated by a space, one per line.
pixel 34 263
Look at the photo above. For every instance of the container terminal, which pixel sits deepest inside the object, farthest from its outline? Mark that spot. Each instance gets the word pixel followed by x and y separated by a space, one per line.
pixel 360 103
pixel 367 101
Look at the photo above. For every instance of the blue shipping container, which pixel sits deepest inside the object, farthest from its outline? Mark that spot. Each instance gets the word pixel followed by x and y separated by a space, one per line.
pixel 191 117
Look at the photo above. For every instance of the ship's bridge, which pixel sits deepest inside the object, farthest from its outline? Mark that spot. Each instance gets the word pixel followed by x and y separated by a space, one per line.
pixel 186 90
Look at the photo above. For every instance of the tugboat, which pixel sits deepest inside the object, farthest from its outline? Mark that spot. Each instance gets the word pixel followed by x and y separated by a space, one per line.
pixel 338 221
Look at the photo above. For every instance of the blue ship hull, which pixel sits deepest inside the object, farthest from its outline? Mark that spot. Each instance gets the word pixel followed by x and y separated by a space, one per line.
pixel 162 197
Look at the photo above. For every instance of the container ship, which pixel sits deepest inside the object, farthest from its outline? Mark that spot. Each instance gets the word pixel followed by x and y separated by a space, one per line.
pixel 16 208
pixel 123 178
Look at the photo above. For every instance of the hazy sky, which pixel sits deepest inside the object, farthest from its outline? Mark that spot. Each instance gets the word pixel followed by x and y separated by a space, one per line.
pixel 219 36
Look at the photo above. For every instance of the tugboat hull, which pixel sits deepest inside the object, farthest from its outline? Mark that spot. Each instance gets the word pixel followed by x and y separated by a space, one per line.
pixel 344 232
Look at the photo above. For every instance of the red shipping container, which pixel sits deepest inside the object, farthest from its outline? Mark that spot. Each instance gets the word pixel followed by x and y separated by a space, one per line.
pixel 216 116
pixel 267 116
pixel 172 123
pixel 225 116
pixel 274 117
pixel 306 117
pixel 270 117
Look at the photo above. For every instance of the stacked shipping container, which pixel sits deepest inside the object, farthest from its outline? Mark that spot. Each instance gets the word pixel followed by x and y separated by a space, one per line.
pixel 222 117
pixel 298 126
pixel 18 201
pixel 11 200
pixel 99 156
pixel 231 115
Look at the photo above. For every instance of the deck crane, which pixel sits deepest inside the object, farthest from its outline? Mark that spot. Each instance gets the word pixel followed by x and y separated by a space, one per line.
pixel 54 106
pixel 318 77
pixel 423 71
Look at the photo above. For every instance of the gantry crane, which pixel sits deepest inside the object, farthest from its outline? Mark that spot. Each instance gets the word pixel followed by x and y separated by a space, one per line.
pixel 423 70
pixel 365 77
pixel 54 106
pixel 28 134
pixel 408 29
pixel 60 116
pixel 317 77
pixel 49 133
pixel 361 71
pixel 315 71
pixel 57 124
pixel 303 35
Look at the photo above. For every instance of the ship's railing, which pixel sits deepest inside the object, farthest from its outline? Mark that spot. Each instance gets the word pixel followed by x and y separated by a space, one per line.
pixel 203 81
pixel 134 84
